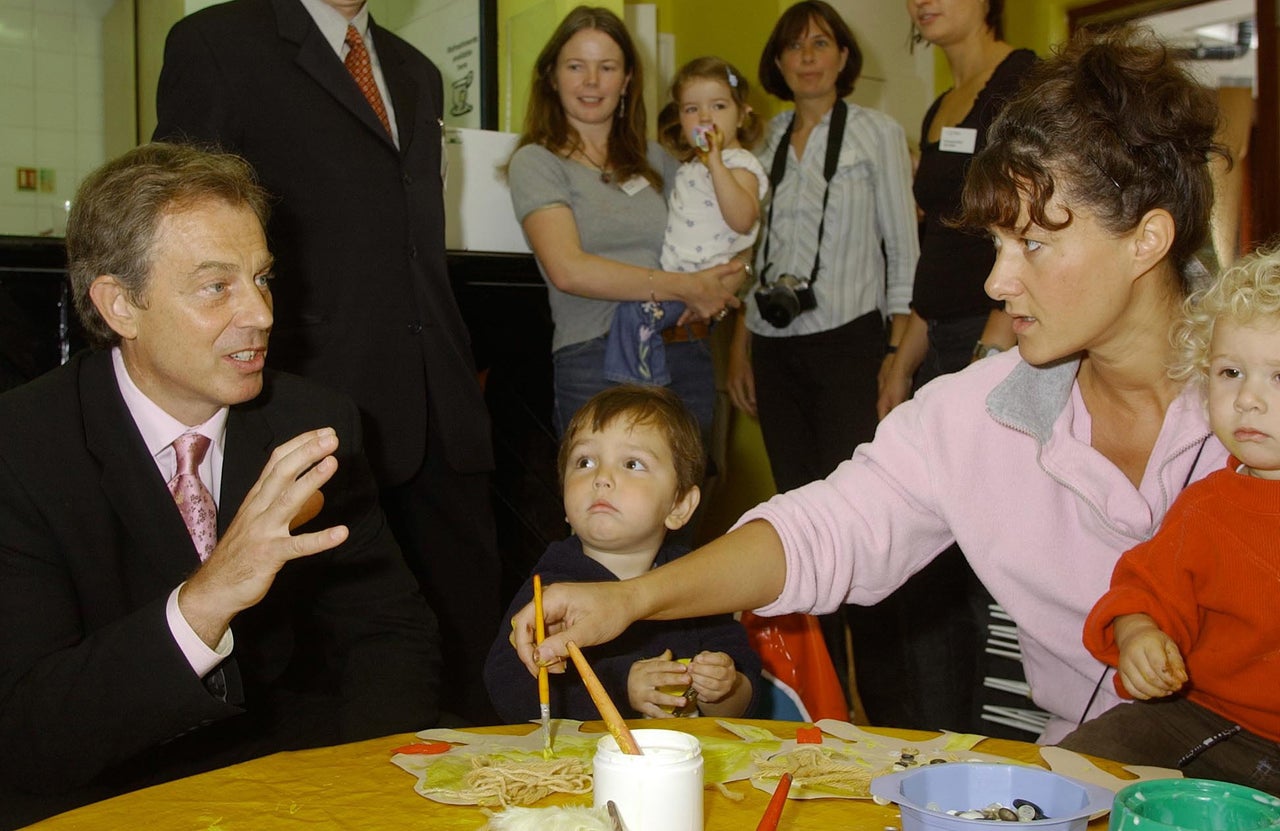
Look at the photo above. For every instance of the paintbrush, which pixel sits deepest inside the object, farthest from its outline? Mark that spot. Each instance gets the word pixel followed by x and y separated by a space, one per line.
pixel 615 819
pixel 612 718
pixel 544 690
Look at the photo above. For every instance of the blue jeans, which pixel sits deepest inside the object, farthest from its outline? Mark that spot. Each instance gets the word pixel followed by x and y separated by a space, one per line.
pixel 579 374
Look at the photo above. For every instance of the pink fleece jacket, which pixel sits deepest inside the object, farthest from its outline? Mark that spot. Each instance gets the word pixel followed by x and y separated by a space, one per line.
pixel 996 458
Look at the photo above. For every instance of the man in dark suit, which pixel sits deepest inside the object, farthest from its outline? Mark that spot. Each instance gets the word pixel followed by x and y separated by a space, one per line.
pixel 363 295
pixel 124 658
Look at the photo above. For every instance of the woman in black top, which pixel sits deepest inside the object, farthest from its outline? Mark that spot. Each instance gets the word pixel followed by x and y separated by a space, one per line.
pixel 919 653
pixel 953 320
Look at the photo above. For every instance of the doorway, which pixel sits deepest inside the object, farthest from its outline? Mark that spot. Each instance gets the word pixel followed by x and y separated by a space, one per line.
pixel 1232 43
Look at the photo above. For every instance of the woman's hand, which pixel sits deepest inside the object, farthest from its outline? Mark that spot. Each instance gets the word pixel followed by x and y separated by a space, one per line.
pixel 708 292
pixel 910 334
pixel 895 387
pixel 586 613
pixel 741 380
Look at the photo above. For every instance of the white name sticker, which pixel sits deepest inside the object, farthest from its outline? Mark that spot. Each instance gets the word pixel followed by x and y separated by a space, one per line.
pixel 958 140
pixel 634 185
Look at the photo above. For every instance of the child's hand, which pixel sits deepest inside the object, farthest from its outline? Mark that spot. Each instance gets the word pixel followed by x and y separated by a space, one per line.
pixel 1150 664
pixel 713 675
pixel 714 140
pixel 647 675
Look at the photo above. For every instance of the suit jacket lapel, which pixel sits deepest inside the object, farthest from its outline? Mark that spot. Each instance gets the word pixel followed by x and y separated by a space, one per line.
pixel 130 479
pixel 248 446
pixel 402 88
pixel 318 60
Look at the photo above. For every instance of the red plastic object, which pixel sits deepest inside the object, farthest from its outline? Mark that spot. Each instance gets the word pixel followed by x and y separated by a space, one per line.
pixel 773 813
pixel 808 735
pixel 424 748
pixel 793 652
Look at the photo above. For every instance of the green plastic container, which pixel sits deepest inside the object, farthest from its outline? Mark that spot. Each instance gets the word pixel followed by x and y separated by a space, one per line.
pixel 1193 805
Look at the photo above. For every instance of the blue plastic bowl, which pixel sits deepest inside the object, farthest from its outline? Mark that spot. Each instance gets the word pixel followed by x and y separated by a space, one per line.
pixel 961 786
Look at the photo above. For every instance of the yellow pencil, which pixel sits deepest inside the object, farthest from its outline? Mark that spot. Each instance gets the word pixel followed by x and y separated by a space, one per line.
pixel 544 690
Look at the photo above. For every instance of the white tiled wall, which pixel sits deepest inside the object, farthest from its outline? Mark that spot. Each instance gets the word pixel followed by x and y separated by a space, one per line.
pixel 51 105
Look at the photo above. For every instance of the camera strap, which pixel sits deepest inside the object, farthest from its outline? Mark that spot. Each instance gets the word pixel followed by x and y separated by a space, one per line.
pixel 835 138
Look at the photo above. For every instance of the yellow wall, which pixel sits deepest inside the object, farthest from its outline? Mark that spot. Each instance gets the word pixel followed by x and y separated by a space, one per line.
pixel 1033 24
pixel 699 29
pixel 524 26
pixel 119 81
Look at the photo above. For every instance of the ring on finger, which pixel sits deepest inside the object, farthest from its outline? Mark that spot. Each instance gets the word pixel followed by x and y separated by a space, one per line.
pixel 723 313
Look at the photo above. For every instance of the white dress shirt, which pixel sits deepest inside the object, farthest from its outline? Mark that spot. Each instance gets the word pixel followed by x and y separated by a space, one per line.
pixel 334 28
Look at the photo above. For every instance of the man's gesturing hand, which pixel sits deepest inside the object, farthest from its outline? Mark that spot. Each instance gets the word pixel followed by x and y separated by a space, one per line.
pixel 257 543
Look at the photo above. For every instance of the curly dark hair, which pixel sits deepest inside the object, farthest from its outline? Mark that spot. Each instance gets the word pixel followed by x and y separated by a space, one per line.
pixel 1113 124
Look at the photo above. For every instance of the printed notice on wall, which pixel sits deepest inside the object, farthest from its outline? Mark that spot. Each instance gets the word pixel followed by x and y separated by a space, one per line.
pixel 449 33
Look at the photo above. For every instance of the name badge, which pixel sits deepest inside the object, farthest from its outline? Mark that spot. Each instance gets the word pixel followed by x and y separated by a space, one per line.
pixel 634 185
pixel 958 140
pixel 444 155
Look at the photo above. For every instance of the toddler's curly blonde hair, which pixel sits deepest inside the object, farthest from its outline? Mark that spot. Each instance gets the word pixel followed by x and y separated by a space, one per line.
pixel 1244 293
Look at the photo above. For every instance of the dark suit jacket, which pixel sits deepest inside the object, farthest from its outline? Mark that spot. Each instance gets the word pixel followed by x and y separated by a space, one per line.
pixel 95 696
pixel 363 300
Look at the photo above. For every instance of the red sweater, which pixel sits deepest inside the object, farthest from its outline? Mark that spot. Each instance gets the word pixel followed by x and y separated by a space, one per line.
pixel 1210 578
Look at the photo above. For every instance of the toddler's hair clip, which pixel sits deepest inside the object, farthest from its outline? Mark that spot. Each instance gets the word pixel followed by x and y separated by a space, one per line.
pixel 733 79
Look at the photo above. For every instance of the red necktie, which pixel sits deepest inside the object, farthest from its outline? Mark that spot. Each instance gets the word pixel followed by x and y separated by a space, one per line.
pixel 361 69
pixel 195 503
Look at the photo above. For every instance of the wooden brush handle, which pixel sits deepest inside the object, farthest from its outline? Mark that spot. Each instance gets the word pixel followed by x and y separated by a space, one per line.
pixel 612 718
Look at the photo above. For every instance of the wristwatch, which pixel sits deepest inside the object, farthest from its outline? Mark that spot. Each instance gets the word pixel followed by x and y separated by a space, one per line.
pixel 985 350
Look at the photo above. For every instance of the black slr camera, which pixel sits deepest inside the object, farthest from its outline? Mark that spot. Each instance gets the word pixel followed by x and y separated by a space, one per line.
pixel 787 297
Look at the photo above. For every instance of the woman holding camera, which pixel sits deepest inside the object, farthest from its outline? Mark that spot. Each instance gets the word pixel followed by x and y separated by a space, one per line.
pixel 816 341
pixel 841 181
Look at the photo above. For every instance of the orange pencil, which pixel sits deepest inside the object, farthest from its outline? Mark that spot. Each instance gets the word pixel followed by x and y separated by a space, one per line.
pixel 544 690
pixel 612 718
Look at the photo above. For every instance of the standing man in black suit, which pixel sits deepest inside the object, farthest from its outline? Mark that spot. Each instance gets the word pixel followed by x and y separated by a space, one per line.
pixel 158 616
pixel 364 298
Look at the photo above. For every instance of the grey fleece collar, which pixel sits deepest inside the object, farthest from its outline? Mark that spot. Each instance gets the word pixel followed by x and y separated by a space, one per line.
pixel 1031 398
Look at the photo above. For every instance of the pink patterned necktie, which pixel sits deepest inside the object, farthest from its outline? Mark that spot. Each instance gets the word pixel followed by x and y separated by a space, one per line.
pixel 195 503
pixel 357 62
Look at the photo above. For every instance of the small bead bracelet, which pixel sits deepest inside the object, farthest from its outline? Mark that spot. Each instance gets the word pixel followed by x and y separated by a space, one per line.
pixel 652 296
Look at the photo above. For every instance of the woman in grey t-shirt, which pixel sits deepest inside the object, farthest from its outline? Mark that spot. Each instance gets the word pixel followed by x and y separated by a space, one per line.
pixel 587 189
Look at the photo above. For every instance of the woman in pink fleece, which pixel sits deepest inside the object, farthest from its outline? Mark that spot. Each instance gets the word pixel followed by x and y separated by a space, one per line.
pixel 1044 463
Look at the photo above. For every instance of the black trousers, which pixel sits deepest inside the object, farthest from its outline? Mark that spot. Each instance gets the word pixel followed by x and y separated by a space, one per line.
pixel 816 398
pixel 443 521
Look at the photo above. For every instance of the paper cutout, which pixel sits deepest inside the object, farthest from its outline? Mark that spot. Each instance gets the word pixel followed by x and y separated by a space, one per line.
pixel 724 760
pixel 1070 763
pixel 879 753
